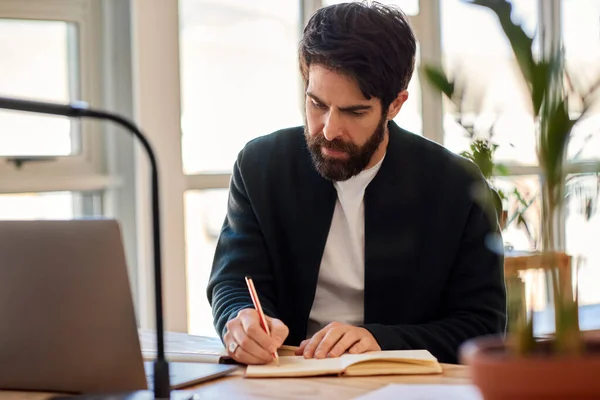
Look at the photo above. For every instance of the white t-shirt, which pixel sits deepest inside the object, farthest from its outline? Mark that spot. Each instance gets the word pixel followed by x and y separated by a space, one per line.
pixel 340 286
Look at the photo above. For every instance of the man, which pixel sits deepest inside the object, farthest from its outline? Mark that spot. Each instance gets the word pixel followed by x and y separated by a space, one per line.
pixel 358 235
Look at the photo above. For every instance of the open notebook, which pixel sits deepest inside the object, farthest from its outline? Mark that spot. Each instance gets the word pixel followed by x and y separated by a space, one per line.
pixel 391 362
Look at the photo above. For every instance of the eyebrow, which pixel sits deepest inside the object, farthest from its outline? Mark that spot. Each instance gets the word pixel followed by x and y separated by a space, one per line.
pixel 357 107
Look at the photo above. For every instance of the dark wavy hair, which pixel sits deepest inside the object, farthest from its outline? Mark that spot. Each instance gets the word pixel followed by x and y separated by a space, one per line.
pixel 370 42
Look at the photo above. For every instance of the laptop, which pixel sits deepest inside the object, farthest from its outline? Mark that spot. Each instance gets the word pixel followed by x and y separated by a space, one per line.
pixel 67 320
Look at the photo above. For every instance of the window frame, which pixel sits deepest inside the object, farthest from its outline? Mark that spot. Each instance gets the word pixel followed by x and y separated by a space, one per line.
pixel 83 171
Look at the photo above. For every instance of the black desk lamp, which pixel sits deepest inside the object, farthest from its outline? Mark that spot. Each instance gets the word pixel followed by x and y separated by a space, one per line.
pixel 80 109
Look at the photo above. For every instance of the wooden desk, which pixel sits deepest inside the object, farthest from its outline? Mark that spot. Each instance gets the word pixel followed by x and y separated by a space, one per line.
pixel 235 386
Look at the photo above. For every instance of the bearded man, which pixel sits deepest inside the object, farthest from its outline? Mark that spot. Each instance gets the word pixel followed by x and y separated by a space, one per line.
pixel 358 235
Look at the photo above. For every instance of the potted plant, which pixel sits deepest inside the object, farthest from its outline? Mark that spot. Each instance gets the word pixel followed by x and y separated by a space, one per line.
pixel 566 364
pixel 482 149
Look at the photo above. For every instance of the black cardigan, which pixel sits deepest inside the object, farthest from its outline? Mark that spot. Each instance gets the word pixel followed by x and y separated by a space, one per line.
pixel 433 255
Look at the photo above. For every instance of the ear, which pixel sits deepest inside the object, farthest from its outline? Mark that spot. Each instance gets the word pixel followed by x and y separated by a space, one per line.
pixel 396 105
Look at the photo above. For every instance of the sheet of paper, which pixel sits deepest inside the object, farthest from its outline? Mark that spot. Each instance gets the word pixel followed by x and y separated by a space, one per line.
pixel 424 392
pixel 296 366
pixel 418 355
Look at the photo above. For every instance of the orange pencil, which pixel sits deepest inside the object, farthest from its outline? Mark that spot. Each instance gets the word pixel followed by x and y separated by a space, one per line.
pixel 261 314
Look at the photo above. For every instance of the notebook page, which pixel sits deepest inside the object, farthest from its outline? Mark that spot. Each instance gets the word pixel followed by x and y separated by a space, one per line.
pixel 417 356
pixel 296 366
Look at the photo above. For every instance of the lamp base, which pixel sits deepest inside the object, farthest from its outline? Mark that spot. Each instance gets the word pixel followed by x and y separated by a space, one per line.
pixel 137 395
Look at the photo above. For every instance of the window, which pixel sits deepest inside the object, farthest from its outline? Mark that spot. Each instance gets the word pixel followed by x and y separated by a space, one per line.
pixel 581 37
pixel 478 56
pixel 205 213
pixel 239 80
pixel 50 52
pixel 239 77
pixel 580 21
pixel 410 116
pixel 50 205
pixel 38 58
pixel 582 230
pixel 410 7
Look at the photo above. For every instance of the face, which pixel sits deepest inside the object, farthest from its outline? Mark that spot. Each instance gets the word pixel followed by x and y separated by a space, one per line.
pixel 345 132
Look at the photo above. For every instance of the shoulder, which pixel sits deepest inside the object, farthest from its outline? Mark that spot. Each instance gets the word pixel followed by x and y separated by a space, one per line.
pixel 273 147
pixel 434 159
pixel 428 153
pixel 439 174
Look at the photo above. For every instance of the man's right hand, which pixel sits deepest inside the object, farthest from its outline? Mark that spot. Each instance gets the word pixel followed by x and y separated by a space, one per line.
pixel 254 346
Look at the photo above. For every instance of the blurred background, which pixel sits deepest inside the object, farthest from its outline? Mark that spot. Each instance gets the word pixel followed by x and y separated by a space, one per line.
pixel 202 77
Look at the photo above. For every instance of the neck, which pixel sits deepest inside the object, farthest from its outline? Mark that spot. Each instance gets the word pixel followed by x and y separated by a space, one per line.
pixel 380 152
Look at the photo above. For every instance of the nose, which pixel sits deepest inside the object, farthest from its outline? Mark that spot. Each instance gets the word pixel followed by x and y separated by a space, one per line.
pixel 333 126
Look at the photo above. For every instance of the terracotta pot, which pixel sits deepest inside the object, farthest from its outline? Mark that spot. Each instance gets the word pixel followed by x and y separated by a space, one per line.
pixel 500 375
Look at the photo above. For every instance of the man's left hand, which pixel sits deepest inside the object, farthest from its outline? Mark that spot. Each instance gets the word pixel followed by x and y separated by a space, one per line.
pixel 337 338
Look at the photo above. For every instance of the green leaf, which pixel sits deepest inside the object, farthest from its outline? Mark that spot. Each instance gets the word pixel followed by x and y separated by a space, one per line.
pixel 556 127
pixel 438 79
pixel 501 169
pixel 521 44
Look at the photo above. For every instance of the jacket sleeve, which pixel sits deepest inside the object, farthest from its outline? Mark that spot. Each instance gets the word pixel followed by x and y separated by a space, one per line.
pixel 241 251
pixel 474 299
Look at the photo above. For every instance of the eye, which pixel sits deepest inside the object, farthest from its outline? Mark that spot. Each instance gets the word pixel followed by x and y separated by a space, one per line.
pixel 357 113
pixel 318 105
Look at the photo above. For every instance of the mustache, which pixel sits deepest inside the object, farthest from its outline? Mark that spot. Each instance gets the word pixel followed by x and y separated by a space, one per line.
pixel 335 144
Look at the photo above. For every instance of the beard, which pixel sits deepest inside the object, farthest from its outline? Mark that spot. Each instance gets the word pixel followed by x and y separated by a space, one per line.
pixel 357 159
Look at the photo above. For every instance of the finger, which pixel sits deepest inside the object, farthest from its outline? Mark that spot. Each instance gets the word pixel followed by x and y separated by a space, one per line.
pixel 347 340
pixel 301 348
pixel 250 346
pixel 313 342
pixel 230 326
pixel 239 354
pixel 362 346
pixel 255 331
pixel 242 356
pixel 279 330
pixel 330 340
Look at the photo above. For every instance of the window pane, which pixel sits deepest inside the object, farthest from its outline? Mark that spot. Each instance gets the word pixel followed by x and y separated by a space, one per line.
pixel 581 35
pixel 53 205
pixel 410 116
pixel 410 7
pixel 239 76
pixel 582 233
pixel 477 54
pixel 37 59
pixel 204 214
